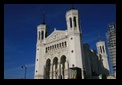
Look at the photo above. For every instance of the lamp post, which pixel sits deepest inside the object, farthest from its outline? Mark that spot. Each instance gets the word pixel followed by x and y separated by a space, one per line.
pixel 24 66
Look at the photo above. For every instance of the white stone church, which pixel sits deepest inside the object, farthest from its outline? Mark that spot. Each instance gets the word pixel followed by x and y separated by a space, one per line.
pixel 61 55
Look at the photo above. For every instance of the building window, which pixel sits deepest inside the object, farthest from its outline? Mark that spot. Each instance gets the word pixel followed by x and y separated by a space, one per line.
pixel 37 60
pixel 36 71
pixel 72 51
pixel 74 19
pixel 42 35
pixel 100 49
pixel 39 35
pixel 65 44
pixel 46 50
pixel 57 45
pixel 70 19
pixel 103 49
pixel 37 48
pixel 71 38
pixel 62 44
pixel 53 47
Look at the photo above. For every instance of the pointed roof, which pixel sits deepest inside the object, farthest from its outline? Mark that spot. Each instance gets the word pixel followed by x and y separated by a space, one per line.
pixel 99 38
pixel 43 18
pixel 72 6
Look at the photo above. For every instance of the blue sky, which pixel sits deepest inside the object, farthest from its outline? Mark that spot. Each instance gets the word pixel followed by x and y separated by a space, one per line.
pixel 20 30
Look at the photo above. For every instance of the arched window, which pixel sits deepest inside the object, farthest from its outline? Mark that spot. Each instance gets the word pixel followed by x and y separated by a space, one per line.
pixel 74 19
pixel 70 19
pixel 46 49
pixel 55 46
pixel 47 69
pixel 103 49
pixel 63 62
pixel 42 35
pixel 39 35
pixel 62 44
pixel 65 44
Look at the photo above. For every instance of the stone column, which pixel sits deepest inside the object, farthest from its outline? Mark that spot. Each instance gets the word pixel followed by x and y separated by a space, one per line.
pixel 58 70
pixel 66 70
pixel 51 71
pixel 61 70
pixel 54 71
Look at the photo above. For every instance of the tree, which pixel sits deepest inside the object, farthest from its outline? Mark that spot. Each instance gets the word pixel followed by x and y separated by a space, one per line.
pixel 104 76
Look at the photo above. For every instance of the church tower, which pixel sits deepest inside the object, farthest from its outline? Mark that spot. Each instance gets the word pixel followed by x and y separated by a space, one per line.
pixel 42 31
pixel 41 35
pixel 74 39
pixel 59 55
pixel 101 48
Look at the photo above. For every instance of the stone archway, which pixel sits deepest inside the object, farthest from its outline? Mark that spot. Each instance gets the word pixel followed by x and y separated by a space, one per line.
pixel 62 62
pixel 55 68
pixel 47 69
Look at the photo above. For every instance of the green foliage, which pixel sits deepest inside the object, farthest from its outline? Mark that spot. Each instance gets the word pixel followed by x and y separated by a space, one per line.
pixel 104 76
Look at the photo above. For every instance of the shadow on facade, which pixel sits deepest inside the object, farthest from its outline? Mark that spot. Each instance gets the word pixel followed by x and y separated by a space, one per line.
pixel 102 71
pixel 93 65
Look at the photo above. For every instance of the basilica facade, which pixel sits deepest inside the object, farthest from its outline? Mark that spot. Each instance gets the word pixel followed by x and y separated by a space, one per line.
pixel 60 55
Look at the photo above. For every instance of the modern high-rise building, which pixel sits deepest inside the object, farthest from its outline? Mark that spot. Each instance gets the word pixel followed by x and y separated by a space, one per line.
pixel 111 39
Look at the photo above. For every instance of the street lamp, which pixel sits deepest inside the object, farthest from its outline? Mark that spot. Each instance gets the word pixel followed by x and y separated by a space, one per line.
pixel 24 66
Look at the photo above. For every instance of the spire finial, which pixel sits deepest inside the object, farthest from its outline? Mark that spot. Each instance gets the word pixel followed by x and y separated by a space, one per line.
pixel 99 38
pixel 43 19
pixel 72 6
